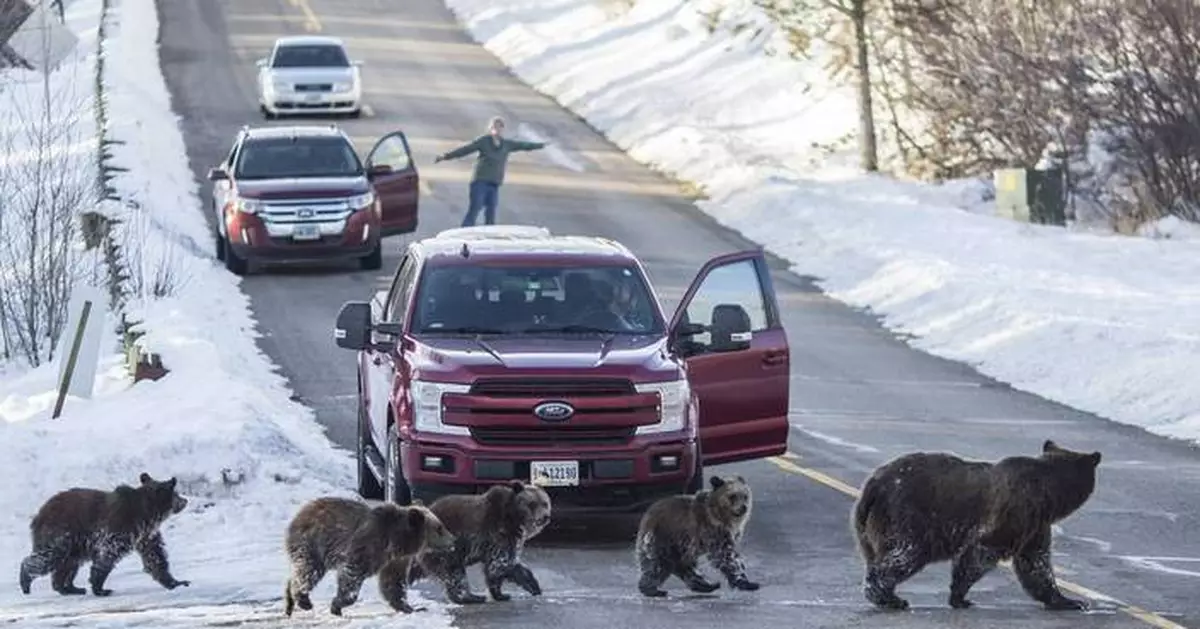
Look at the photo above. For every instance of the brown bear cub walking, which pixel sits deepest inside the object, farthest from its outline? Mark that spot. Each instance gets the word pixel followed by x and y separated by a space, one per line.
pixel 358 541
pixel 676 531
pixel 930 507
pixel 490 528
pixel 79 525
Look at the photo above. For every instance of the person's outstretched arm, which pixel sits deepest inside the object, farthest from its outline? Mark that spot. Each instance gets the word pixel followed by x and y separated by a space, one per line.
pixel 462 151
pixel 520 145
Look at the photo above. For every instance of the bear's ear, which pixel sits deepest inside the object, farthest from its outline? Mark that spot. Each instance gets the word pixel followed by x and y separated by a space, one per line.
pixel 1094 458
pixel 1049 446
pixel 716 481
pixel 172 482
pixel 517 486
pixel 145 479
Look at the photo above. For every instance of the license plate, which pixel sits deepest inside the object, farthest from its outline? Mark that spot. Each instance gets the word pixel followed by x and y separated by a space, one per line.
pixel 554 473
pixel 313 98
pixel 306 232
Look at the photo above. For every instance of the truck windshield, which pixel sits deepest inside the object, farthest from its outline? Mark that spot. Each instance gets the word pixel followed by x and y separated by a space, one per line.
pixel 459 299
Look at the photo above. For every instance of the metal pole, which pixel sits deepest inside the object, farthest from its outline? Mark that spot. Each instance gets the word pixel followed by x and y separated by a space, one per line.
pixel 71 358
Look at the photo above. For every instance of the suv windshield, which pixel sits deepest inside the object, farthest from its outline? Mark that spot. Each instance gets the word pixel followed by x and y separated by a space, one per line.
pixel 310 56
pixel 273 158
pixel 459 299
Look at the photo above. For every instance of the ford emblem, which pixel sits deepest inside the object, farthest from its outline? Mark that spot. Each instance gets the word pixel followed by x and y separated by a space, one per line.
pixel 554 411
pixel 305 213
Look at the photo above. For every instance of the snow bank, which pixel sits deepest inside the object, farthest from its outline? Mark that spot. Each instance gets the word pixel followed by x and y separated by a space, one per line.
pixel 1100 322
pixel 222 421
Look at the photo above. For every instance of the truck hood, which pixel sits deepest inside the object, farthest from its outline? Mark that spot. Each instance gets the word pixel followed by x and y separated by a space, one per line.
pixel 302 187
pixel 461 359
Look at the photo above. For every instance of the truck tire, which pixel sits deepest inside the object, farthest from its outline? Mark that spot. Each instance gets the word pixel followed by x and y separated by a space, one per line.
pixel 396 489
pixel 369 487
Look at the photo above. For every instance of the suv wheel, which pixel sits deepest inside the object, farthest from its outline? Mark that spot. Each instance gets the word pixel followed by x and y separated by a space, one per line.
pixel 368 485
pixel 266 113
pixel 234 263
pixel 373 261
pixel 220 242
pixel 396 489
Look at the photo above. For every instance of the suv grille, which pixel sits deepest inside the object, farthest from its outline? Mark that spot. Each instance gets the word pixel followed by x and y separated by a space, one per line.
pixel 552 436
pixel 562 387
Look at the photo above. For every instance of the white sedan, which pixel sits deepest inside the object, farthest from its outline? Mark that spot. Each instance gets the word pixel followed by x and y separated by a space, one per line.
pixel 309 74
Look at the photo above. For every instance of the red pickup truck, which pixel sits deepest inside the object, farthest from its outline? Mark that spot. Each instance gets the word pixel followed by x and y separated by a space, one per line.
pixel 507 352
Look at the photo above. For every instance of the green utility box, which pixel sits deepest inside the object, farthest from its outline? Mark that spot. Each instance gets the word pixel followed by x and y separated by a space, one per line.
pixel 1031 196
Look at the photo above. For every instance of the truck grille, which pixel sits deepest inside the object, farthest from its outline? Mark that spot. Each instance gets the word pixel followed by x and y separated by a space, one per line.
pixel 551 436
pixel 557 387
pixel 313 87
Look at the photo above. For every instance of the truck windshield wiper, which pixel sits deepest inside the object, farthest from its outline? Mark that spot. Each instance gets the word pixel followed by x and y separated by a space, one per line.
pixel 465 329
pixel 572 328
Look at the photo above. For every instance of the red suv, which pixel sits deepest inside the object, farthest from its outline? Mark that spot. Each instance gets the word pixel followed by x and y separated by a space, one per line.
pixel 300 193
pixel 506 352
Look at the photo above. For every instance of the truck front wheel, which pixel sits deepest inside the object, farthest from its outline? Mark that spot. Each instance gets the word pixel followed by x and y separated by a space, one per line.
pixel 368 486
pixel 396 489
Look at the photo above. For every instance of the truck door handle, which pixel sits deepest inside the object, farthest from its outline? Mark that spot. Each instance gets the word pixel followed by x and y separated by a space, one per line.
pixel 777 357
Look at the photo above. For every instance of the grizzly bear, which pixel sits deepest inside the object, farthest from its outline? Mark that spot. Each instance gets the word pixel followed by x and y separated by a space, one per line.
pixel 931 507
pixel 358 541
pixel 676 531
pixel 490 528
pixel 79 525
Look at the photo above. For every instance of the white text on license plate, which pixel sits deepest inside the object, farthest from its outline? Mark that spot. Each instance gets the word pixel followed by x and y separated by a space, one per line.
pixel 554 473
pixel 306 232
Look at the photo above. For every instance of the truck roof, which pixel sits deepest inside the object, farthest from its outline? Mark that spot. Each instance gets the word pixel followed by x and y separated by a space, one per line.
pixel 522 244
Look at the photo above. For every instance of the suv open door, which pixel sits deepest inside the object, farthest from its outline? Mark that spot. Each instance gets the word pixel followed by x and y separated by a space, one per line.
pixel 728 329
pixel 392 172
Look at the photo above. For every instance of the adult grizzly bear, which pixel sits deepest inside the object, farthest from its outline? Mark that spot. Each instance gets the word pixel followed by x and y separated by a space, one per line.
pixel 78 525
pixel 358 541
pixel 676 531
pixel 490 528
pixel 931 507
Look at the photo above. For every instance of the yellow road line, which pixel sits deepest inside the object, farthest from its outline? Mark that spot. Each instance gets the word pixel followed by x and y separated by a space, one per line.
pixel 312 23
pixel 1148 617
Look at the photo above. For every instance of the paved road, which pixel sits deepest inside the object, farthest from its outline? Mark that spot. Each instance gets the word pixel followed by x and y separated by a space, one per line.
pixel 859 395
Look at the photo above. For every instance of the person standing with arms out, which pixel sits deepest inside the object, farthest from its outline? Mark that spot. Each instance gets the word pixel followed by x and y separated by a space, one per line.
pixel 493 149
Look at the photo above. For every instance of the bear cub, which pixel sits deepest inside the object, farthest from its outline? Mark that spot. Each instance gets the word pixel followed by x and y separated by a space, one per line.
pixel 80 525
pixel 490 528
pixel 358 541
pixel 675 532
pixel 923 507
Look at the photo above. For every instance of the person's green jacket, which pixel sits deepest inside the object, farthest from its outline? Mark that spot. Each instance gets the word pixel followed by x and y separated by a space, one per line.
pixel 493 157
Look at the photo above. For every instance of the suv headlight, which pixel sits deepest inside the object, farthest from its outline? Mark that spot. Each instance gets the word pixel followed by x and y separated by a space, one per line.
pixel 247 206
pixel 361 201
pixel 427 407
pixel 673 398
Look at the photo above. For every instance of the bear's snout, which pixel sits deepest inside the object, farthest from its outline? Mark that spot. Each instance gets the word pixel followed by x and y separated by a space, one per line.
pixel 178 504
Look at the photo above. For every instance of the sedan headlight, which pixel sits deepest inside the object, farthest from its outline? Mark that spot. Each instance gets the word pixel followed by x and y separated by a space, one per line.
pixel 362 201
pixel 427 407
pixel 344 86
pixel 247 206
pixel 673 399
pixel 280 86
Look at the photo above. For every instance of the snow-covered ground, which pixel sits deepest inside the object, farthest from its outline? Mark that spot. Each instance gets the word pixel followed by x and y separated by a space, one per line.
pixel 1100 322
pixel 221 421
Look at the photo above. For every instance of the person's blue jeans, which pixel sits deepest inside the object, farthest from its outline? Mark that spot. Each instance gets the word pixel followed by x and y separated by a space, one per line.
pixel 483 195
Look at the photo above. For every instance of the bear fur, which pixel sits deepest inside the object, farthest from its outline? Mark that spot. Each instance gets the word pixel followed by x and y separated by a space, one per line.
pixel 676 531
pixel 358 541
pixel 922 508
pixel 490 528
pixel 80 525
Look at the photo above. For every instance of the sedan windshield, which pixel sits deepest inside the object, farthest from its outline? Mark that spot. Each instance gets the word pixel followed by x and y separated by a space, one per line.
pixel 285 157
pixel 535 300
pixel 310 56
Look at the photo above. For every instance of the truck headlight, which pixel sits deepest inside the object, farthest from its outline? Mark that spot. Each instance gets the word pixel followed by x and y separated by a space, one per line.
pixel 361 201
pixel 427 407
pixel 673 400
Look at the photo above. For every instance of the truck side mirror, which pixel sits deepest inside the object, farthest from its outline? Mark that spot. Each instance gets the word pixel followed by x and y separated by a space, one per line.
pixel 730 329
pixel 353 327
